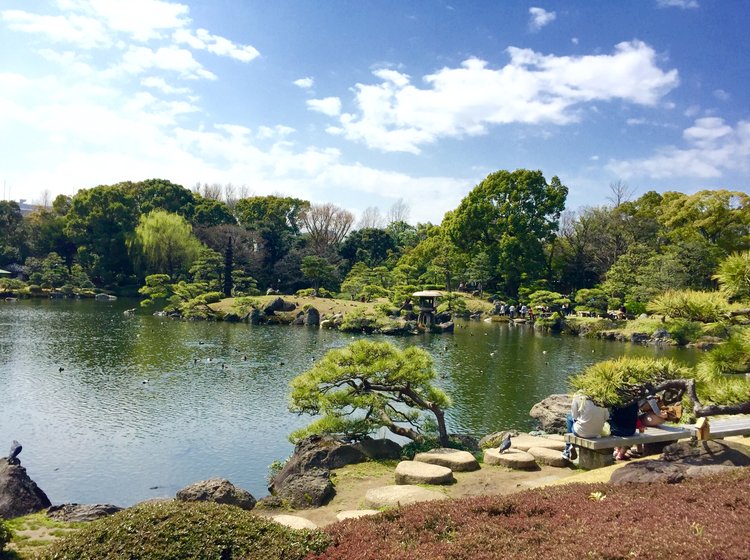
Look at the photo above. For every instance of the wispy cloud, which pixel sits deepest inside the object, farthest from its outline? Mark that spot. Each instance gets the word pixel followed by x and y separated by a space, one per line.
pixel 532 88
pixel 711 148
pixel 683 4
pixel 330 106
pixel 540 17
pixel 304 83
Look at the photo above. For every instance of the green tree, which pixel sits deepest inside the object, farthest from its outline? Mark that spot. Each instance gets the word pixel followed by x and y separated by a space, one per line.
pixel 158 289
pixel 593 299
pixel 369 245
pixel 733 276
pixel 208 268
pixel 317 269
pixel 161 194
pixel 480 270
pixel 12 234
pixel 367 385
pixel 166 243
pixel 212 213
pixel 510 216
pixel 546 298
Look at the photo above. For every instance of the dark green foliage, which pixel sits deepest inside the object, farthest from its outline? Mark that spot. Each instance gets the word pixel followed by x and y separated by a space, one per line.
pixel 370 246
pixel 698 519
pixel 684 331
pixel 12 235
pixel 200 531
pixel 5 535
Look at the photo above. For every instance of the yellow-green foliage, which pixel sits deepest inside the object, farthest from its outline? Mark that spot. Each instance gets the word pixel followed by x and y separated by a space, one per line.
pixel 721 374
pixel 733 276
pixel 612 382
pixel 706 307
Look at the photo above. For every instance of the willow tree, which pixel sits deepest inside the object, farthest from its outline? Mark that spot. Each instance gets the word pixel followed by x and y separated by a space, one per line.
pixel 165 243
pixel 358 389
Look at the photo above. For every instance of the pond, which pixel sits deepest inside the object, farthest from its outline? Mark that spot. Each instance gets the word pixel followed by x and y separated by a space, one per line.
pixel 120 408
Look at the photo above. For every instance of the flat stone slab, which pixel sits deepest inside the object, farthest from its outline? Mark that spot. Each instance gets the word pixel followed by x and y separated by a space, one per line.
pixel 547 456
pixel 393 496
pixel 454 459
pixel 524 442
pixel 415 472
pixel 355 513
pixel 294 521
pixel 511 458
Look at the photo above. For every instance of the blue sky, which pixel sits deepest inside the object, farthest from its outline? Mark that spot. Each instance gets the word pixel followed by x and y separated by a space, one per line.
pixel 362 103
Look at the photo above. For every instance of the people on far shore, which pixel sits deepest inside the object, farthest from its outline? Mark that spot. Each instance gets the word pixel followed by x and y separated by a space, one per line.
pixel 586 419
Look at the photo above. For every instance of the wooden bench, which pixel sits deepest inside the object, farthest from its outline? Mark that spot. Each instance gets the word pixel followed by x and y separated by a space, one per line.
pixel 597 452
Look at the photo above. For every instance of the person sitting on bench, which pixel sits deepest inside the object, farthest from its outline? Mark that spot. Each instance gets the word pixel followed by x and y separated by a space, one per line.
pixel 622 422
pixel 586 419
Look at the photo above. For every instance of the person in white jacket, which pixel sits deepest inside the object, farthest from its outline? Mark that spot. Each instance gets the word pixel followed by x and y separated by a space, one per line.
pixel 586 419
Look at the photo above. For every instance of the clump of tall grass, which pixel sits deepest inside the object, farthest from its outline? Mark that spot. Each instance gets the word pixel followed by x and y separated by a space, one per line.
pixel 704 307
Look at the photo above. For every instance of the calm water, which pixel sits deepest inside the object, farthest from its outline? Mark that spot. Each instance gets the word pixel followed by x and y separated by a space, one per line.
pixel 95 432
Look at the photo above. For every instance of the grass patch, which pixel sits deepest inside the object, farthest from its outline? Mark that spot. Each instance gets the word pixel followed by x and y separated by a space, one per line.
pixel 365 470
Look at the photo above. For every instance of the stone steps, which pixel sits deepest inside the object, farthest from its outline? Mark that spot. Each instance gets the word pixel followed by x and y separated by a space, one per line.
pixel 416 472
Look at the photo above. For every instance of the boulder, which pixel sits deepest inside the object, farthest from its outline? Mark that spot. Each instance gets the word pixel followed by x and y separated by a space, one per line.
pixel 548 456
pixel 378 449
pixel 685 459
pixel 355 514
pixel 309 489
pixel 552 412
pixel 255 316
pixel 324 452
pixel 414 472
pixel 299 319
pixel 312 317
pixel 217 490
pixel 512 458
pixel 455 460
pixel 524 442
pixel 639 338
pixel 394 496
pixel 494 439
pixel 467 442
pixel 294 522
pixel 279 304
pixel 77 513
pixel 19 495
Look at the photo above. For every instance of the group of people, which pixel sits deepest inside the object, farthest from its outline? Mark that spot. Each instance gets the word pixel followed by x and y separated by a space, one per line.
pixel 586 419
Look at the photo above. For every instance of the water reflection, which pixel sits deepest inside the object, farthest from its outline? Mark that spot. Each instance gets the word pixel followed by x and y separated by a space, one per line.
pixel 118 408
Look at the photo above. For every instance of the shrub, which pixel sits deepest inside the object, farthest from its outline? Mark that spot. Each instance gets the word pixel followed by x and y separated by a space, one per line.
pixel 706 307
pixel 5 535
pixel 305 292
pixel 187 531
pixel 705 518
pixel 684 331
pixel 733 276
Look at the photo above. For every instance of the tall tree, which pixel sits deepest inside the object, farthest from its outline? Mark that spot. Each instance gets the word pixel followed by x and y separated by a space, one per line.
pixel 166 243
pixel 12 234
pixel 510 216
pixel 370 246
pixel 326 226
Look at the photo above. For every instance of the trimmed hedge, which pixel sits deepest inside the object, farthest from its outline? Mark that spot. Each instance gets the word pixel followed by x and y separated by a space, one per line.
pixel 171 530
pixel 698 519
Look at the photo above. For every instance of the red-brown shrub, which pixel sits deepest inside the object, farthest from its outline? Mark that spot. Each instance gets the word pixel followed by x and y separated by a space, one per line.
pixel 702 519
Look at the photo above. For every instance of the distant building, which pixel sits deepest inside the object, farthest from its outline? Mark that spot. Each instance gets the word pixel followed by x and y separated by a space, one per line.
pixel 26 209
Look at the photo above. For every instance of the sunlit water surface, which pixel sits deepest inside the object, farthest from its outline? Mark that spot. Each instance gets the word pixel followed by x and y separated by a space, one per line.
pixel 117 408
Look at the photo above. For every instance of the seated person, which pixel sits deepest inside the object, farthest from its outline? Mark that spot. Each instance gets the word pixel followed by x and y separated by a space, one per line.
pixel 622 422
pixel 649 415
pixel 585 419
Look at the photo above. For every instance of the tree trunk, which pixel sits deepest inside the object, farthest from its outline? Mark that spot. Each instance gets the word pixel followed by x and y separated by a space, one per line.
pixel 442 432
pixel 700 409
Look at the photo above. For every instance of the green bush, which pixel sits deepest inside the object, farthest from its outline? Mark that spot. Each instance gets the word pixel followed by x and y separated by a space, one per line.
pixel 684 331
pixel 201 530
pixel 706 307
pixel 5 535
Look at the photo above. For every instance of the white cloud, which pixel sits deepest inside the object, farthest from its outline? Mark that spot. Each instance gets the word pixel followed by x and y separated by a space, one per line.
pixel 532 88
pixel 574 40
pixel 82 31
pixel 330 106
pixel 161 85
pixel 721 95
pixel 540 17
pixel 137 60
pixel 634 122
pixel 203 40
pixel 711 148
pixel 304 83
pixel 684 4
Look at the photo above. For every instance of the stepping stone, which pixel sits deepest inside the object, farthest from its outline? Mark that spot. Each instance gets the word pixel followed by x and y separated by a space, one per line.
pixel 455 460
pixel 393 496
pixel 355 513
pixel 294 521
pixel 524 442
pixel 414 472
pixel 512 458
pixel 547 456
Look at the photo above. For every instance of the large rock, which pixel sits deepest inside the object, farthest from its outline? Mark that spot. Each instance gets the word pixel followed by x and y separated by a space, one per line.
pixel 317 452
pixel 552 413
pixel 309 489
pixel 548 456
pixel 19 495
pixel 511 458
pixel 685 459
pixel 312 317
pixel 414 472
pixel 279 304
pixel 393 496
pixel 80 513
pixel 217 490
pixel 379 449
pixel 496 438
pixel 524 442
pixel 294 522
pixel 455 460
